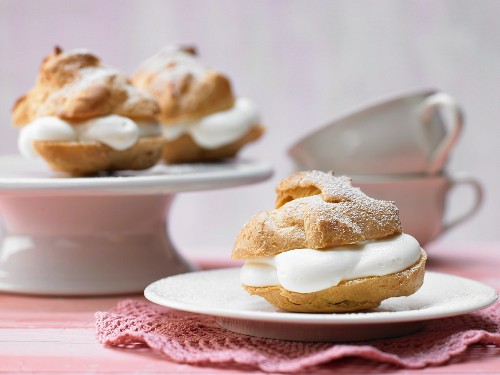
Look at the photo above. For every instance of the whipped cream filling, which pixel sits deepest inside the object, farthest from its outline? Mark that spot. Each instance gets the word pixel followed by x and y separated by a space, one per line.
pixel 220 128
pixel 118 132
pixel 309 270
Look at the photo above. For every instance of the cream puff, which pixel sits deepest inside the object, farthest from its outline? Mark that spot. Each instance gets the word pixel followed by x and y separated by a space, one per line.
pixel 201 118
pixel 327 247
pixel 83 117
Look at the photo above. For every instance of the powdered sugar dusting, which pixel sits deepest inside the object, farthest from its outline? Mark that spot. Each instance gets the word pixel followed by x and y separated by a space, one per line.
pixel 174 63
pixel 77 85
pixel 316 210
pixel 90 76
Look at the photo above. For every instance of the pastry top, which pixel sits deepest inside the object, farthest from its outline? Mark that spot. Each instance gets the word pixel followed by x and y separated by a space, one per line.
pixel 186 89
pixel 75 86
pixel 304 184
pixel 316 210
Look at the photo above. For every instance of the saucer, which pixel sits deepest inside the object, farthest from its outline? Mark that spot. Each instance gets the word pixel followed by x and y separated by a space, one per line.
pixel 219 293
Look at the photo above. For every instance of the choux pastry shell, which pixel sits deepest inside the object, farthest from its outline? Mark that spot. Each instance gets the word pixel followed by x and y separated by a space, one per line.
pixel 187 91
pixel 315 210
pixel 75 87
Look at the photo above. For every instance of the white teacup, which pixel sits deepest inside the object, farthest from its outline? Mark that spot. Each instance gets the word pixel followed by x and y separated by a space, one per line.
pixel 422 200
pixel 405 133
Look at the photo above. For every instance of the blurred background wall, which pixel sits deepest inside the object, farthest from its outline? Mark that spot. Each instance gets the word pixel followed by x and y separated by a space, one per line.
pixel 303 63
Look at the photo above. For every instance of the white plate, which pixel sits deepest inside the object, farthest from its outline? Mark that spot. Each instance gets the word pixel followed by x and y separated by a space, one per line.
pixel 219 293
pixel 18 175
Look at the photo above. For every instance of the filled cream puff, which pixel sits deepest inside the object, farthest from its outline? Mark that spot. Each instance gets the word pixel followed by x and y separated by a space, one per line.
pixel 83 117
pixel 201 118
pixel 327 247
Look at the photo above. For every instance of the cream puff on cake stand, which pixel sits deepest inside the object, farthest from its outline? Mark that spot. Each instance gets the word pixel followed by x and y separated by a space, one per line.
pixel 98 235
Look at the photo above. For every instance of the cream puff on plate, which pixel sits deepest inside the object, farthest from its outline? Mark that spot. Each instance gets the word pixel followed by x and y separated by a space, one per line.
pixel 202 119
pixel 327 247
pixel 83 117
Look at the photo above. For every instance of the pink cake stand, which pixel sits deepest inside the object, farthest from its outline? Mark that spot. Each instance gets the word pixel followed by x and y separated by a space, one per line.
pixel 99 235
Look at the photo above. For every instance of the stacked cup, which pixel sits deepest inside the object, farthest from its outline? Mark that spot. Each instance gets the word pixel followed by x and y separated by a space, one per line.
pixel 396 149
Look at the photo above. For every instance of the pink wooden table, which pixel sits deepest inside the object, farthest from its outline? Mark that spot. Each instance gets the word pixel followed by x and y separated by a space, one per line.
pixel 57 335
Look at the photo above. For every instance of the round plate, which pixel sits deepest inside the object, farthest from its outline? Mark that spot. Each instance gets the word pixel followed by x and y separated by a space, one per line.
pixel 18 175
pixel 219 293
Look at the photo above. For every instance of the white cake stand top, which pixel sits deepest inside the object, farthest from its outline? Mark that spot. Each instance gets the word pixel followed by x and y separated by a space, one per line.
pixel 19 175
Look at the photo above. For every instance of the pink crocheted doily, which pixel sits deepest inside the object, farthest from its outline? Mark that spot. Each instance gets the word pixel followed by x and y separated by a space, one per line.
pixel 198 339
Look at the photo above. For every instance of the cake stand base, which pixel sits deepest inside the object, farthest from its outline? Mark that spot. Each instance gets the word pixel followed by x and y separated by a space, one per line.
pixel 86 245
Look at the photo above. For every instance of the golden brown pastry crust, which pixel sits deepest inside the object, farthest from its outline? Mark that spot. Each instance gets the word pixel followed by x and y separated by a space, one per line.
pixel 348 296
pixel 316 210
pixel 75 86
pixel 89 158
pixel 185 89
pixel 185 150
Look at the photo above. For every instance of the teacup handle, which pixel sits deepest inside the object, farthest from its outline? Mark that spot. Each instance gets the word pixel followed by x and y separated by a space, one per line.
pixel 430 105
pixel 478 192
